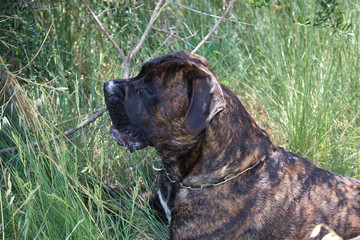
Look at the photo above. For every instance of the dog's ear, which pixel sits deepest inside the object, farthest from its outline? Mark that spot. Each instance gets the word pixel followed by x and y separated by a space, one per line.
pixel 206 99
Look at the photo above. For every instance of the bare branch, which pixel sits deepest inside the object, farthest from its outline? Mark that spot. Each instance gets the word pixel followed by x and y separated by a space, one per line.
pixel 171 34
pixel 147 30
pixel 104 31
pixel 210 15
pixel 126 59
pixel 231 3
pixel 64 134
pixel 126 69
pixel 137 4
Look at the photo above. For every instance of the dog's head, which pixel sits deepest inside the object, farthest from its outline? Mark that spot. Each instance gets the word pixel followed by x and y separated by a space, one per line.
pixel 172 100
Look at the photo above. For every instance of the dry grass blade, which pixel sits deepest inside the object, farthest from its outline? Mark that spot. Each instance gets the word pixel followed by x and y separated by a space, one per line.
pixel 38 51
pixel 11 84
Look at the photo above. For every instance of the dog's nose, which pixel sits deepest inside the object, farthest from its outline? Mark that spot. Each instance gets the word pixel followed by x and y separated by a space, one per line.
pixel 109 88
pixel 116 87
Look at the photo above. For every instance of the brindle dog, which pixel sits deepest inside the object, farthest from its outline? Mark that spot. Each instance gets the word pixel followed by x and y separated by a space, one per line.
pixel 221 176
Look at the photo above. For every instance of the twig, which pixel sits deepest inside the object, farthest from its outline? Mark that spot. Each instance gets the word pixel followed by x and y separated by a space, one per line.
pixel 147 30
pixel 137 5
pixel 66 133
pixel 231 3
pixel 171 34
pixel 126 59
pixel 134 23
pixel 210 15
pixel 104 31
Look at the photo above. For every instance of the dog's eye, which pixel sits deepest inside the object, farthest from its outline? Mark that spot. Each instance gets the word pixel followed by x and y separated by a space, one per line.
pixel 139 91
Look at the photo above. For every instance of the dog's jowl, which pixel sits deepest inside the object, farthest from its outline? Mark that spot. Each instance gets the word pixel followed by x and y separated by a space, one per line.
pixel 220 176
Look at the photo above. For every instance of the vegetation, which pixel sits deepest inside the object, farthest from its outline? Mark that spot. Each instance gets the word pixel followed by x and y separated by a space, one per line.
pixel 294 65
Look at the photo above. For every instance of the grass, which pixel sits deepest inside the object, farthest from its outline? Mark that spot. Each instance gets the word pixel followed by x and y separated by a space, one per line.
pixel 301 84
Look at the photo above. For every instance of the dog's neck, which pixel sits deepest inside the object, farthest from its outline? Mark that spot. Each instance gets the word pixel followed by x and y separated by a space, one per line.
pixel 231 150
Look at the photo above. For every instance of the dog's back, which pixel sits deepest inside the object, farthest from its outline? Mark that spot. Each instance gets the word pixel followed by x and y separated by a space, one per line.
pixel 308 196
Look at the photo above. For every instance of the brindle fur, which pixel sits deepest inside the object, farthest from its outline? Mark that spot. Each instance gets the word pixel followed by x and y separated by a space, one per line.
pixel 284 197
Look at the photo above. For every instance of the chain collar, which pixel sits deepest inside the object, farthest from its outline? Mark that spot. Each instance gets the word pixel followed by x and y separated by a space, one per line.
pixel 159 169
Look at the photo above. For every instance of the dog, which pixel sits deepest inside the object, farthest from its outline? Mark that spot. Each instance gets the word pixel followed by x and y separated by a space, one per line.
pixel 220 176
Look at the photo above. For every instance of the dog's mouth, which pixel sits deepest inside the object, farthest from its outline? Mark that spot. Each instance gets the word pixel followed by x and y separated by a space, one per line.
pixel 125 139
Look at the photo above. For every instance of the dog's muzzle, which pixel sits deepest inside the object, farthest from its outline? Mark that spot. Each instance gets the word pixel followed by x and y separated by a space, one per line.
pixel 122 130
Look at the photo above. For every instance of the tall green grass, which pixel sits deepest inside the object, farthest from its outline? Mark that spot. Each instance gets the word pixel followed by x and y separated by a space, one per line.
pixel 301 83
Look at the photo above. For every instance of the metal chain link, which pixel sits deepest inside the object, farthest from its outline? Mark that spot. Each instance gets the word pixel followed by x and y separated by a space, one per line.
pixel 202 185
